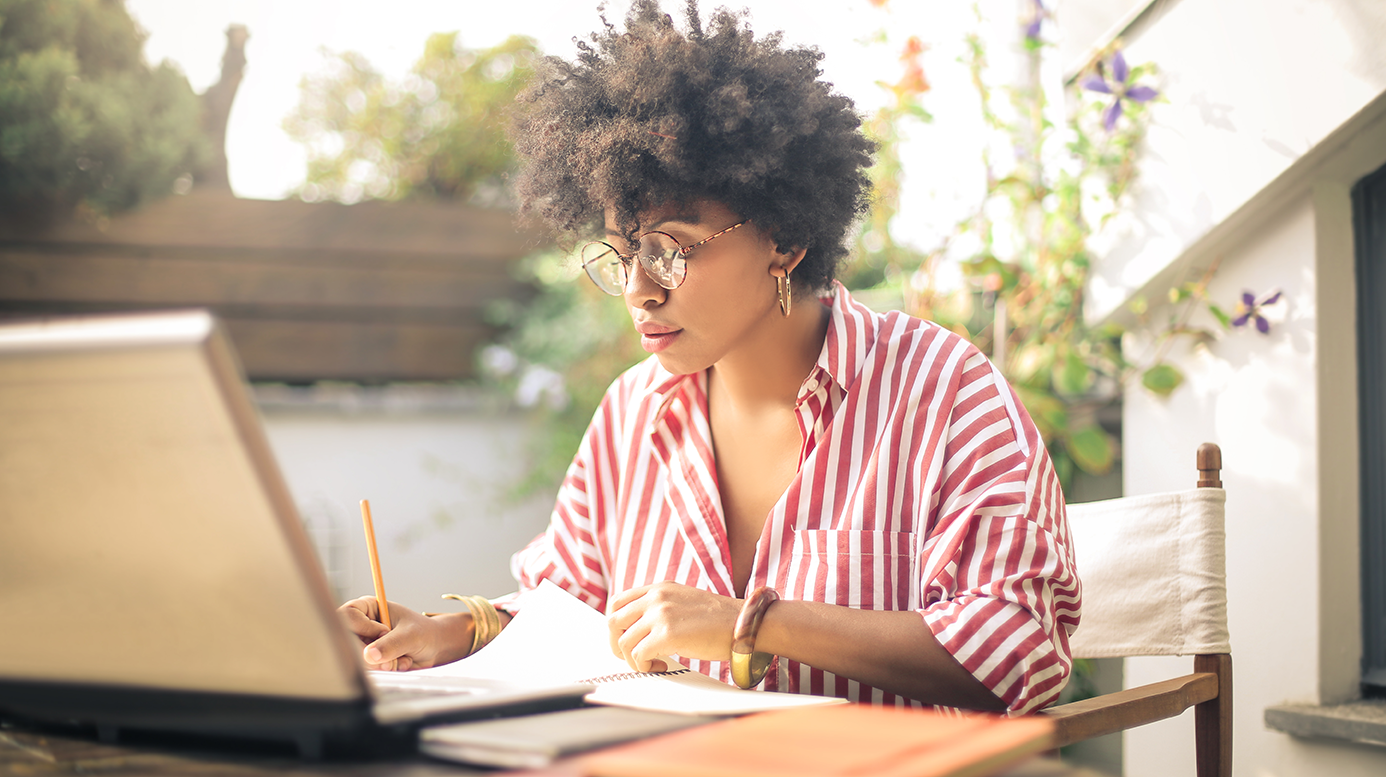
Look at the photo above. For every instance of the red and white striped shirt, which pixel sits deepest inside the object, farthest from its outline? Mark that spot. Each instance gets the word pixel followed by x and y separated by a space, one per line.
pixel 922 485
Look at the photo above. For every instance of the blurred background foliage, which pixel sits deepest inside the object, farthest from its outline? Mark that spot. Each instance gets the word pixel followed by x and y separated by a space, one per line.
pixel 86 125
pixel 559 353
pixel 440 132
pixel 1010 277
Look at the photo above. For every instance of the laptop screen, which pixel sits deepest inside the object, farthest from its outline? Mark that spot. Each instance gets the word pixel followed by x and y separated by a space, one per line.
pixel 146 537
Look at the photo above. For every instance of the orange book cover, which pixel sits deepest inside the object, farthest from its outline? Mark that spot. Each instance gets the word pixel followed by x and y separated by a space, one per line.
pixel 850 739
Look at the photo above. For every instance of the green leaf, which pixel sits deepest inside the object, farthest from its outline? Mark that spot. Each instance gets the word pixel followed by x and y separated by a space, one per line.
pixel 1047 411
pixel 1063 467
pixel 1220 315
pixel 1162 379
pixel 982 264
pixel 918 112
pixel 1110 331
pixel 1091 449
pixel 1072 376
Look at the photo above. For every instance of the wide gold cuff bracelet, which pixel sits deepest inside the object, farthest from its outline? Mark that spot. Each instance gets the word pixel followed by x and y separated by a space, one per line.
pixel 747 666
pixel 485 620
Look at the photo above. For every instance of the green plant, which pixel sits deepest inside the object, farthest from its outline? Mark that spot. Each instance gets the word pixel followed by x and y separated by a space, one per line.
pixel 559 352
pixel 439 133
pixel 1024 251
pixel 85 124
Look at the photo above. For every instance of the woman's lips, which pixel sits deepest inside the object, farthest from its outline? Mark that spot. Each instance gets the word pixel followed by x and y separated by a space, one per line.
pixel 656 337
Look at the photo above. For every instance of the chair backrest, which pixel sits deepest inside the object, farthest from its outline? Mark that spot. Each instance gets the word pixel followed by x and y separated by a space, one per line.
pixel 1154 575
pixel 1154 583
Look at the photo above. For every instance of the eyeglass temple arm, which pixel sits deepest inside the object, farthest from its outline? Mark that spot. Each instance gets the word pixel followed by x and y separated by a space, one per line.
pixel 684 250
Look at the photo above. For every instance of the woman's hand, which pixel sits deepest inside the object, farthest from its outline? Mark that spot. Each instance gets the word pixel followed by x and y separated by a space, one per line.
pixel 668 618
pixel 416 641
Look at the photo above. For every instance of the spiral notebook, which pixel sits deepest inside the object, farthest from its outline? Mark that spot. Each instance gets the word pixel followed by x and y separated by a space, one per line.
pixel 558 639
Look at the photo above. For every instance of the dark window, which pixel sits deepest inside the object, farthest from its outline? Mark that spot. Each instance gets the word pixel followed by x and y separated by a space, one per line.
pixel 1369 227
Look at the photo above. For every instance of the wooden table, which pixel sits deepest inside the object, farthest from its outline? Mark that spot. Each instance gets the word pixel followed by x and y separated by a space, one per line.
pixel 56 751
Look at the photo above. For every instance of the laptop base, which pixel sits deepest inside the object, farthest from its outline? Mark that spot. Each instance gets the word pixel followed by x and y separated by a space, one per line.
pixel 314 729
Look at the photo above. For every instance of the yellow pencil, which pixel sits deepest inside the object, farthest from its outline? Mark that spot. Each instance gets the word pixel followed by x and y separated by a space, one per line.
pixel 375 564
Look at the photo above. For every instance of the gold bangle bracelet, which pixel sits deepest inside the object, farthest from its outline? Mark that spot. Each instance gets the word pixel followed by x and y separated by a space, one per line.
pixel 485 620
pixel 747 666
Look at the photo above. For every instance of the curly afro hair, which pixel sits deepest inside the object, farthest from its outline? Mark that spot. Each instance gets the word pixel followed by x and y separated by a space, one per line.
pixel 654 116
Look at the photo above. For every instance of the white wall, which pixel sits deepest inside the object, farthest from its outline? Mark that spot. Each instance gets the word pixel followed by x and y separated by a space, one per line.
pixel 436 471
pixel 1284 409
pixel 1253 395
pixel 1248 88
pixel 1274 108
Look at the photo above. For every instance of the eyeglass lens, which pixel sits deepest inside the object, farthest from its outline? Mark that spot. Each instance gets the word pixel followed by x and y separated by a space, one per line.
pixel 604 267
pixel 662 259
pixel 658 253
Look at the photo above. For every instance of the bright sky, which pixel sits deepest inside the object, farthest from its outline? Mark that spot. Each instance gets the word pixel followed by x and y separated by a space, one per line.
pixel 288 39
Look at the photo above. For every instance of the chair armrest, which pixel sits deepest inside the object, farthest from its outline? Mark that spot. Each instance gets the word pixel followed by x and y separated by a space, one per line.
pixel 1132 707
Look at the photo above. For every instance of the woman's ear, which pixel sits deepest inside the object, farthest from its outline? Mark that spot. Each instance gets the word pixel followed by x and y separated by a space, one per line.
pixel 789 259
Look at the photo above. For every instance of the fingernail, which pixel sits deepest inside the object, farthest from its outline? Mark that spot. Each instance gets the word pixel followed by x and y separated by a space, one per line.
pixel 373 655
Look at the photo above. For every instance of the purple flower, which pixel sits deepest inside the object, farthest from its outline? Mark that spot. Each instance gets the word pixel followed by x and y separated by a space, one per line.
pixel 1118 87
pixel 1032 30
pixel 1248 310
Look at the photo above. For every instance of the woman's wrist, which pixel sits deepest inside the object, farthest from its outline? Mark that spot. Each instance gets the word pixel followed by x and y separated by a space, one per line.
pixel 458 631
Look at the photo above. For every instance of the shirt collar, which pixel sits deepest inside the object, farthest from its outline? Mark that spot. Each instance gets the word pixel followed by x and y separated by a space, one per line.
pixel 851 327
pixel 666 387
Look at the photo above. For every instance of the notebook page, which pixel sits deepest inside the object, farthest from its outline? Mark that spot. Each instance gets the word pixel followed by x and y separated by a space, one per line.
pixel 557 639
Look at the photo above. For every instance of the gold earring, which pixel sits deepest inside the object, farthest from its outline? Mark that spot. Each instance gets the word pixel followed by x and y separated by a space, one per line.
pixel 786 293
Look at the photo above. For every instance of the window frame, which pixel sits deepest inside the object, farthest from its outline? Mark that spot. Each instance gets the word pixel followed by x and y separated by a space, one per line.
pixel 1369 233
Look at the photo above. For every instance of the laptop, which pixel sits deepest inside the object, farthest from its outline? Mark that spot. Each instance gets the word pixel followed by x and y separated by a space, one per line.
pixel 154 574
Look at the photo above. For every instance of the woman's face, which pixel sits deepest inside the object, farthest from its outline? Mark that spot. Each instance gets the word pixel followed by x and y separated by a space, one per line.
pixel 728 293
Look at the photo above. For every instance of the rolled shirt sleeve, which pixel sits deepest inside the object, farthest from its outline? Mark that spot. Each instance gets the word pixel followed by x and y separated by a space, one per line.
pixel 1000 587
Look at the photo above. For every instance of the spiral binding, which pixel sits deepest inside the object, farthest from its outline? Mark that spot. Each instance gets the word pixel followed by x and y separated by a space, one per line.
pixel 611 678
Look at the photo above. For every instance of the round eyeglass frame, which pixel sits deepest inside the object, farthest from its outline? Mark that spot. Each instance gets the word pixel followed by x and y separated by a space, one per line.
pixel 667 265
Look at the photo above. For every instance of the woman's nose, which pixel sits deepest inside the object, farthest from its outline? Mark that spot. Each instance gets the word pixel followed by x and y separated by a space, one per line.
pixel 641 290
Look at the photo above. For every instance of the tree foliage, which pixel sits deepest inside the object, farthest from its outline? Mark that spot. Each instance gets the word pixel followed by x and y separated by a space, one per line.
pixel 439 133
pixel 84 121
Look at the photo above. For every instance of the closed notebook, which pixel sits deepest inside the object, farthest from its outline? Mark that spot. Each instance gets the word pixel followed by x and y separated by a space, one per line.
pixel 850 739
pixel 536 740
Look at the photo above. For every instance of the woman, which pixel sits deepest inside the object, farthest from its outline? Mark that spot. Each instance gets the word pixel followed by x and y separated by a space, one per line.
pixel 874 470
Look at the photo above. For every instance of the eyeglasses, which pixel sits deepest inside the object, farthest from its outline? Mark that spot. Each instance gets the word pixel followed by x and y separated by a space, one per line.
pixel 663 258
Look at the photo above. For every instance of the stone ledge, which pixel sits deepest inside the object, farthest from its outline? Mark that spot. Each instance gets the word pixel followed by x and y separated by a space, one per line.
pixel 1359 721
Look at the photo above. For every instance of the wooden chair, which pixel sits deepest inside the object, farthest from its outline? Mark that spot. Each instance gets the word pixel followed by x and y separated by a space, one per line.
pixel 1154 583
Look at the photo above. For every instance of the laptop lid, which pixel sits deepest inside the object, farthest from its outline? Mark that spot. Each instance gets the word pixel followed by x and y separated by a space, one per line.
pixel 149 545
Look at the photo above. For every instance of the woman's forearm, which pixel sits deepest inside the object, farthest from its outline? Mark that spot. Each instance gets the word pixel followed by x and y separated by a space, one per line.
pixel 893 651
